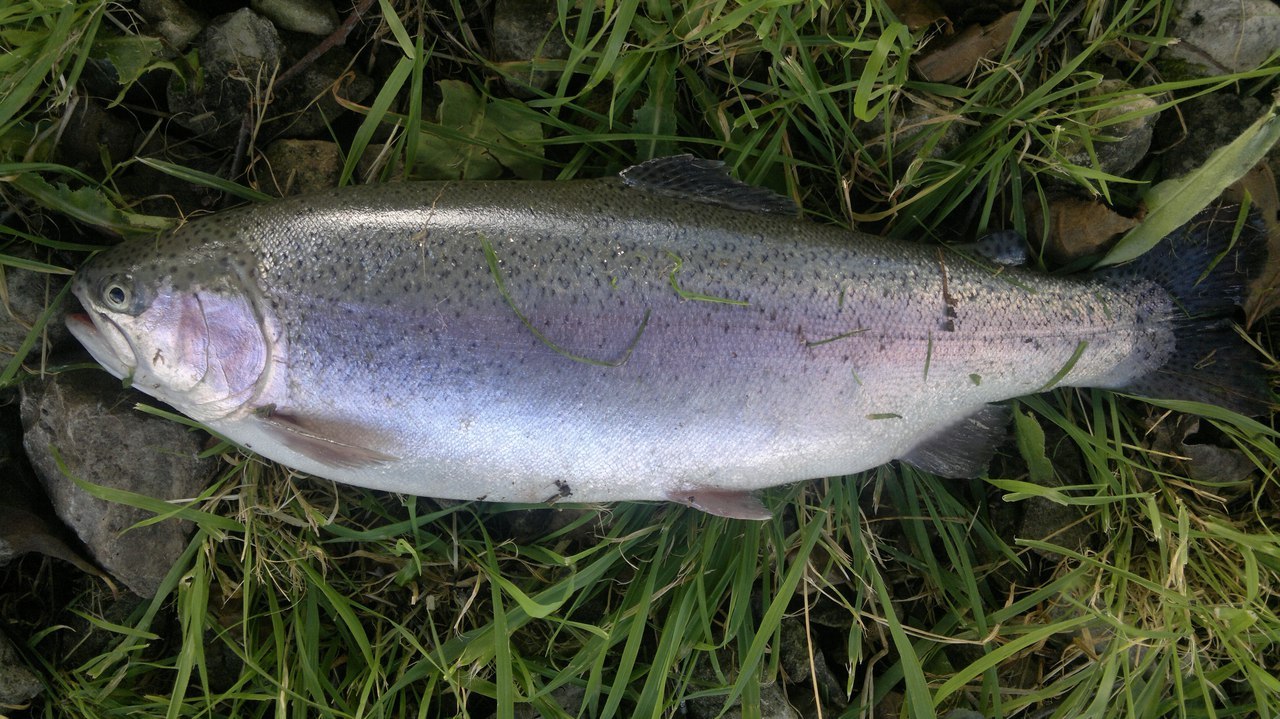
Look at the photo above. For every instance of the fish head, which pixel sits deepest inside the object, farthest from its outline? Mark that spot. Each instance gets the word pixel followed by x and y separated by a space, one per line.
pixel 177 320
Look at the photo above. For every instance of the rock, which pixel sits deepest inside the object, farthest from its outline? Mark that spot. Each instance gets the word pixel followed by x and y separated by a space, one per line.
pixel 17 684
pixel 773 705
pixel 794 650
pixel 525 31
pixel 300 166
pixel 1060 524
pixel 1204 124
pixel 963 714
pixel 1132 137
pixel 567 697
pixel 173 20
pixel 27 293
pixel 313 17
pixel 89 419
pixel 93 131
pixel 912 127
pixel 239 54
pixel 305 106
pixel 373 164
pixel 890 707
pixel 1223 37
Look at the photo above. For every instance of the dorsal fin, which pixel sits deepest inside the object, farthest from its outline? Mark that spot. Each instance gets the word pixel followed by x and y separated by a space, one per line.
pixel 1003 247
pixel 693 178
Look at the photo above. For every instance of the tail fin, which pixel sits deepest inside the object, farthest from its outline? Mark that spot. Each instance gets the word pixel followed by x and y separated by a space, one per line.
pixel 1207 265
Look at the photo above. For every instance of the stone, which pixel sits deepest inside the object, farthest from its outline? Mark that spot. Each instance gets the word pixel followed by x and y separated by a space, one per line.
pixel 773 705
pixel 913 125
pixel 17 684
pixel 92 131
pixel 301 166
pixel 173 20
pixel 90 421
pixel 1225 37
pixel 305 106
pixel 525 31
pixel 568 697
pixel 1205 124
pixel 238 56
pixel 312 17
pixel 1128 141
pixel 27 294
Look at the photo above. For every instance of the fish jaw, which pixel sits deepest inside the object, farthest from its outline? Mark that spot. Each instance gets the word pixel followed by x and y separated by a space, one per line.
pixel 105 342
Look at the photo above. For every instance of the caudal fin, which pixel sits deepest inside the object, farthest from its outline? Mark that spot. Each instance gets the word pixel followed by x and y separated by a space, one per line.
pixel 1206 265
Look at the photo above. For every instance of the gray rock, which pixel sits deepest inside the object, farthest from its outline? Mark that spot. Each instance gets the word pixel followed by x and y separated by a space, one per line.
pixel 313 17
pixel 568 697
pixel 1204 124
pixel 963 714
pixel 173 20
pixel 1223 37
pixel 101 439
pixel 27 294
pixel 301 166
pixel 794 650
pixel 913 125
pixel 90 132
pixel 524 31
pixel 1126 142
pixel 1060 524
pixel 305 106
pixel 17 684
pixel 238 54
pixel 773 705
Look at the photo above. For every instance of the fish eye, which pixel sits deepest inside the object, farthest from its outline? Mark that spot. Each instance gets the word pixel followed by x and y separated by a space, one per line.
pixel 117 296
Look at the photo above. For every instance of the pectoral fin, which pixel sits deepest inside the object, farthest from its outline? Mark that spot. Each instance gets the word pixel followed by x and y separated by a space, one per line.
pixel 319 440
pixel 964 449
pixel 734 504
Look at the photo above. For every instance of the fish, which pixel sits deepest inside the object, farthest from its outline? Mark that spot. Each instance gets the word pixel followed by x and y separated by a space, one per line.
pixel 668 333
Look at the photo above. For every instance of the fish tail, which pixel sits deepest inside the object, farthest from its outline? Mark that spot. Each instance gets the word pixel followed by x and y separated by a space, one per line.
pixel 1206 266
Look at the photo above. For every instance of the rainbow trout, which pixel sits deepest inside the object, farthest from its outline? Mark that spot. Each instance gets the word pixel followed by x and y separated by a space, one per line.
pixel 668 334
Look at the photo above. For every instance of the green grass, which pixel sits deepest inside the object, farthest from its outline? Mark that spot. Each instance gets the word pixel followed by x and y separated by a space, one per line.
pixel 297 598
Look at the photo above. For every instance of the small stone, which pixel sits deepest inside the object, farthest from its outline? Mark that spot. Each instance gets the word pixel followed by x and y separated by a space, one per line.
pixel 1224 37
pixel 567 697
pixel 27 294
pixel 17 684
pixel 101 439
pixel 305 106
pixel 1128 141
pixel 239 54
pixel 913 125
pixel 524 31
pixel 1204 124
pixel 302 166
pixel 93 131
pixel 173 20
pixel 312 17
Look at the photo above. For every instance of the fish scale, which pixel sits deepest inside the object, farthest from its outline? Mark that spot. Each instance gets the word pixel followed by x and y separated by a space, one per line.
pixel 601 340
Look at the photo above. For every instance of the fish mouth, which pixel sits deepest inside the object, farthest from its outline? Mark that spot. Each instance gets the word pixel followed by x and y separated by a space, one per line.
pixel 105 342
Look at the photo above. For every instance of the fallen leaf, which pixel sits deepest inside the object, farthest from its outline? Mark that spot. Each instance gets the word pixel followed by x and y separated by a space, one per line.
pixel 1076 227
pixel 477 137
pixel 22 532
pixel 919 14
pixel 1259 187
pixel 958 56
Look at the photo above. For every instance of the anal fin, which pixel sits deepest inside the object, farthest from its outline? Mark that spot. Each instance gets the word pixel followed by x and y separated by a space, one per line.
pixel 734 504
pixel 963 449
pixel 319 441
